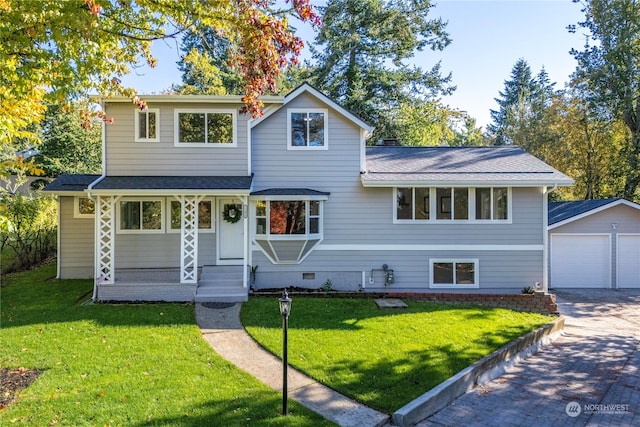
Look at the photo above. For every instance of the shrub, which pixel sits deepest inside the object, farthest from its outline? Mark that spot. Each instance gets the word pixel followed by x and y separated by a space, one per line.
pixel 28 227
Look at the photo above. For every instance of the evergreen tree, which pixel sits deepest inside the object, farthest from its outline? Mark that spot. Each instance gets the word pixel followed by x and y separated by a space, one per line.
pixel 610 66
pixel 206 65
pixel 514 104
pixel 67 145
pixel 360 54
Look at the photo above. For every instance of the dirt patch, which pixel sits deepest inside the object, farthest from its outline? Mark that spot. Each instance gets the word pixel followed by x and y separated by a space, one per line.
pixel 14 380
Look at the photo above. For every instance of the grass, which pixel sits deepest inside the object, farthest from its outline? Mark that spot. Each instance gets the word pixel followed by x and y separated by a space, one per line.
pixel 384 358
pixel 122 364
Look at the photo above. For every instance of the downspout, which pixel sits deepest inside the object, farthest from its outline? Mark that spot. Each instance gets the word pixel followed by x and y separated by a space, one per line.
pixel 95 219
pixel 545 237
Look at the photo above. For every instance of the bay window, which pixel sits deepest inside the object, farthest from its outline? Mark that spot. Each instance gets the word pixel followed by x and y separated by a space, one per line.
pixel 287 217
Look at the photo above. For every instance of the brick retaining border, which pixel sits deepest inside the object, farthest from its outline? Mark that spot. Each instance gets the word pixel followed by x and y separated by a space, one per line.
pixel 538 302
pixel 484 370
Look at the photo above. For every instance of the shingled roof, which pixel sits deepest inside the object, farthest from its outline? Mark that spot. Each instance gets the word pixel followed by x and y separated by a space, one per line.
pixel 511 166
pixel 174 183
pixel 70 182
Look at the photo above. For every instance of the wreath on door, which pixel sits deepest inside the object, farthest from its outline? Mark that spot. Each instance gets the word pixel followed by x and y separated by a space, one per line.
pixel 231 213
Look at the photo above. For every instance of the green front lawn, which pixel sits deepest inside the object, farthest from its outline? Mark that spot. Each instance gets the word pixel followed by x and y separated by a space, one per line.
pixel 383 358
pixel 122 364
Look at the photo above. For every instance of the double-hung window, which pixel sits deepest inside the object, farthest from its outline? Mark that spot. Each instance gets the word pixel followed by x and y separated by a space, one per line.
pixel 141 216
pixel 454 273
pixel 210 127
pixel 307 129
pixel 146 125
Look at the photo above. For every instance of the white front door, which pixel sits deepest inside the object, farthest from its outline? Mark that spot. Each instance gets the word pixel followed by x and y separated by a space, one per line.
pixel 230 234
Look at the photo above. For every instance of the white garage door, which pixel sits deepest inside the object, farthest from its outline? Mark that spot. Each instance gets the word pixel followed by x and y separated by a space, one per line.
pixel 628 261
pixel 580 261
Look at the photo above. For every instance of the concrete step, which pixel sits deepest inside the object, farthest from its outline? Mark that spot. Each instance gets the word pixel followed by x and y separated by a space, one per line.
pixel 220 283
pixel 221 295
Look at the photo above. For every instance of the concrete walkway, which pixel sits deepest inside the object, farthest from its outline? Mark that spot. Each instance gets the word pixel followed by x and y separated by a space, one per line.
pixel 590 376
pixel 222 329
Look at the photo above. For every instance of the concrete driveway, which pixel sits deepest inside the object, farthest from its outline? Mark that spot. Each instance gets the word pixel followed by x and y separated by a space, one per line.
pixel 590 376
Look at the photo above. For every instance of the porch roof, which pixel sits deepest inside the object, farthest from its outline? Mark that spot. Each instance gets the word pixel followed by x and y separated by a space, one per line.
pixel 70 183
pixel 173 184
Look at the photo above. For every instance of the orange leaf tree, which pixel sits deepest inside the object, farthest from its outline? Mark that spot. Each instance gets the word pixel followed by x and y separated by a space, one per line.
pixel 54 50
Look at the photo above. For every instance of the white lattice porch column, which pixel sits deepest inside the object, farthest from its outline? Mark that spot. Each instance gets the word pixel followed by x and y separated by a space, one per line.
pixel 189 238
pixel 105 239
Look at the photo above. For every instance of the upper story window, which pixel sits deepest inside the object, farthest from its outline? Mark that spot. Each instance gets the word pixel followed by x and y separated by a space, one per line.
pixel 462 204
pixel 492 203
pixel 205 216
pixel 198 128
pixel 141 216
pixel 147 125
pixel 83 207
pixel 307 129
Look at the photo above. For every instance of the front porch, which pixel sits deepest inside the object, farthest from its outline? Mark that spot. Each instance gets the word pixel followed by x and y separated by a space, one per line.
pixel 214 284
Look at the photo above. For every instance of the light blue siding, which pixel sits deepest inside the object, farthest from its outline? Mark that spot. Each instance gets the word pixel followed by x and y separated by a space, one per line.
pixel 126 157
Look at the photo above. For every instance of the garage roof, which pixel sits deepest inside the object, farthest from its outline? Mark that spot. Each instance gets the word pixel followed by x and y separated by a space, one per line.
pixel 561 213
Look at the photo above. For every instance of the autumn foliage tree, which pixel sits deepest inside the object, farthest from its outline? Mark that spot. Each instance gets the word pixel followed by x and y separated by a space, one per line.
pixel 52 50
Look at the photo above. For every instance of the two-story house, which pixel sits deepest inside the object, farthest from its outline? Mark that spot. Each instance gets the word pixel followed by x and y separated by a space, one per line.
pixel 195 197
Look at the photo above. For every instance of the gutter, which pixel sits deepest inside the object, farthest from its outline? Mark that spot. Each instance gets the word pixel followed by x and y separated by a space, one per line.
pixel 94 295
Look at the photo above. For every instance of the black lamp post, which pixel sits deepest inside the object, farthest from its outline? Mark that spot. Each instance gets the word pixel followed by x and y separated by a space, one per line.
pixel 285 309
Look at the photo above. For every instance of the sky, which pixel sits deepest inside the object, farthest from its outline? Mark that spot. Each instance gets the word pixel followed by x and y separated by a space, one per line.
pixel 488 37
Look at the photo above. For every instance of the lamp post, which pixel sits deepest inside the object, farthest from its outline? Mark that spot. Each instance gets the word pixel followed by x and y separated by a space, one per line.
pixel 285 309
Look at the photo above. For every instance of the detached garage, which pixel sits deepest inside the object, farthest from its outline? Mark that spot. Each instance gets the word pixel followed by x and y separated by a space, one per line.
pixel 594 244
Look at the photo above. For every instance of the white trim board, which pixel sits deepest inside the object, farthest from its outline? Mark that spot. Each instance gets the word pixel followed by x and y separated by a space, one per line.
pixel 383 247
pixel 593 211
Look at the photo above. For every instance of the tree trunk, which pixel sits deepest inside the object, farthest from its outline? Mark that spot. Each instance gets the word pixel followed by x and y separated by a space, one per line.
pixel 633 175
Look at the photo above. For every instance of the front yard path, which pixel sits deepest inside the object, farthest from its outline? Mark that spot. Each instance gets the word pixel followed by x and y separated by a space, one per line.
pixel 222 329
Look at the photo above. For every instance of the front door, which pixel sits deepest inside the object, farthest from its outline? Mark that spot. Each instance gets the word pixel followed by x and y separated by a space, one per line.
pixel 230 231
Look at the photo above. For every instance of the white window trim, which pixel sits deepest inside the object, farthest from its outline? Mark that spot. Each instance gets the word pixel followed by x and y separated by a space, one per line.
pixel 76 208
pixel 200 230
pixel 176 127
pixel 476 273
pixel 433 205
pixel 325 111
pixel 156 111
pixel 307 236
pixel 119 230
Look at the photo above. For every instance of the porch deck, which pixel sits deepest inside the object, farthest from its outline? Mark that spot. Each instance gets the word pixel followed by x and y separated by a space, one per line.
pixel 215 284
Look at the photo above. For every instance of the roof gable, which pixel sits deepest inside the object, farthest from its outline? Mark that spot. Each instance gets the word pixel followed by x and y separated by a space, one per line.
pixel 307 88
pixel 561 213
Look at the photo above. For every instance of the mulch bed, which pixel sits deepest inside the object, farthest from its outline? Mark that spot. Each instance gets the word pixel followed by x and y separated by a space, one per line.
pixel 14 380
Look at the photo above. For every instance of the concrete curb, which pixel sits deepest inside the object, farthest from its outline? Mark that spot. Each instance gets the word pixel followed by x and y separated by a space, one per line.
pixel 484 370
